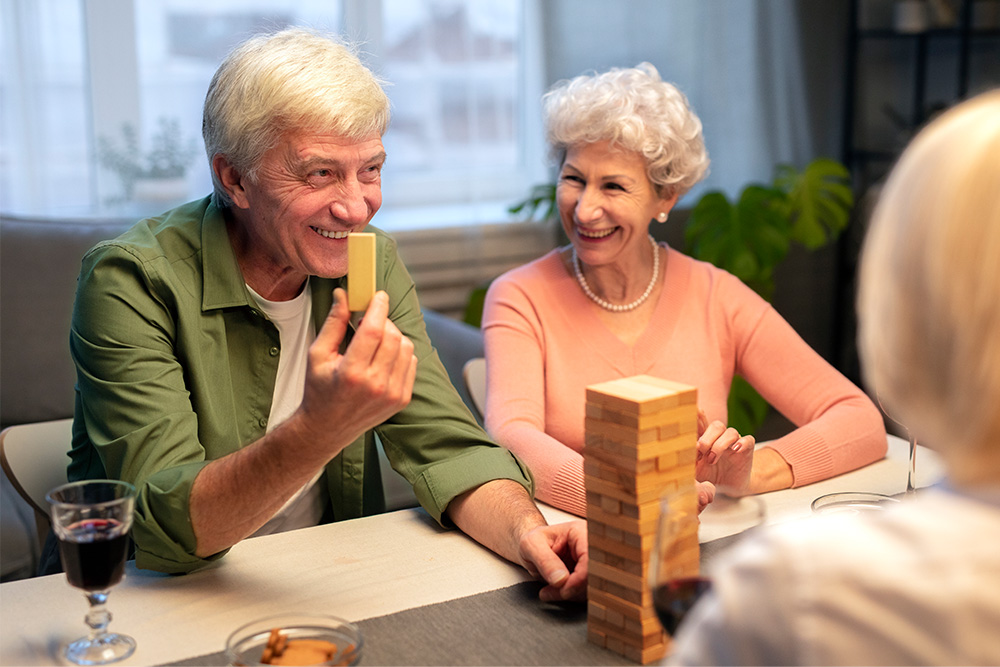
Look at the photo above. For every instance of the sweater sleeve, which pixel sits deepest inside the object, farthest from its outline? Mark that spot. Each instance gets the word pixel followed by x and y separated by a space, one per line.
pixel 838 427
pixel 515 394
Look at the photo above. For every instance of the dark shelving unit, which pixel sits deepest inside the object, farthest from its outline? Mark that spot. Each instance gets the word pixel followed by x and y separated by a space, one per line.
pixel 916 74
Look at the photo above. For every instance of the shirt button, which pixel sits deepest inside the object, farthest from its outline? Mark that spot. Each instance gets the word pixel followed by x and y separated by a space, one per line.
pixel 263 422
pixel 273 351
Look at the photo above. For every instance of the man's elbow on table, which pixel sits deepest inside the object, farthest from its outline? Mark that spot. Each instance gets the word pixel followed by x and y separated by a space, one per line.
pixel 158 551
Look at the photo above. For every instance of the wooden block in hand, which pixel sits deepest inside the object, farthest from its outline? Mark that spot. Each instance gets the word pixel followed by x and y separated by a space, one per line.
pixel 360 270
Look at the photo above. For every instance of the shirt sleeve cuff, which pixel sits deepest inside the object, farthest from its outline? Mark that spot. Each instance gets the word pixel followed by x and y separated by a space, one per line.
pixel 437 486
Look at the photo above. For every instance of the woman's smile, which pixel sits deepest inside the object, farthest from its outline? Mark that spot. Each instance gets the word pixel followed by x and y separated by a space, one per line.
pixel 595 234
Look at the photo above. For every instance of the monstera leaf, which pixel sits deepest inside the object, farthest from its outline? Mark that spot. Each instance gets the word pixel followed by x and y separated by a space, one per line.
pixel 748 238
pixel 818 200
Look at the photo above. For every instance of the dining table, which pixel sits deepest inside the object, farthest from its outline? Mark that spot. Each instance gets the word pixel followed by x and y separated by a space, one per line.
pixel 421 594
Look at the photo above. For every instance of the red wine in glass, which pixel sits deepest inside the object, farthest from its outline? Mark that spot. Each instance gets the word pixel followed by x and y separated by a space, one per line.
pixel 674 599
pixel 93 553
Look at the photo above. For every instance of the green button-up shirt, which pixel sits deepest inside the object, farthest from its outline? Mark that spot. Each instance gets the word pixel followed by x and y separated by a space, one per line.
pixel 176 366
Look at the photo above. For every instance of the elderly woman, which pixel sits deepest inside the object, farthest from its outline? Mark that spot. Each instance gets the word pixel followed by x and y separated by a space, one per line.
pixel 615 303
pixel 916 585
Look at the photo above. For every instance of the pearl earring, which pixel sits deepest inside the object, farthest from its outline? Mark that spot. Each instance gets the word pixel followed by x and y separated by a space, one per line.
pixel 662 217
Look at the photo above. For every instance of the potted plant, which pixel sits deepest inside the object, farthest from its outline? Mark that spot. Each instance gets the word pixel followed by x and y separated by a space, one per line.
pixel 749 237
pixel 155 175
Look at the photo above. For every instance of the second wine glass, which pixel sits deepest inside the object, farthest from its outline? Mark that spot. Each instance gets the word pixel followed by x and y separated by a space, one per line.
pixel 911 471
pixel 674 574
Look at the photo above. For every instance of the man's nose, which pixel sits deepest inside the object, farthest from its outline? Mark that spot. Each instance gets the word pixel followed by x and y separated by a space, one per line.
pixel 349 203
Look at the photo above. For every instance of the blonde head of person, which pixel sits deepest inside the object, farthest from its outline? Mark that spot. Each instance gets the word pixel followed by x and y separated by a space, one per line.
pixel 929 302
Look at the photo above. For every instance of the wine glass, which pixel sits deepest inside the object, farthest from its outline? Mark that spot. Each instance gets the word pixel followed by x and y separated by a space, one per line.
pixel 674 567
pixel 91 520
pixel 674 562
pixel 911 472
pixel 854 502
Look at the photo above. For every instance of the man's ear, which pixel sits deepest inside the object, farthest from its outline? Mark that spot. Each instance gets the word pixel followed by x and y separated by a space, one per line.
pixel 231 180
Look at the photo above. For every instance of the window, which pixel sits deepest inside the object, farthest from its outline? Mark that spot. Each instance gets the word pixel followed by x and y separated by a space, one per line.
pixel 43 117
pixel 87 78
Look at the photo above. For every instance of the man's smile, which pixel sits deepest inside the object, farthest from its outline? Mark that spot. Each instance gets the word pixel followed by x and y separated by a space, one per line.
pixel 330 235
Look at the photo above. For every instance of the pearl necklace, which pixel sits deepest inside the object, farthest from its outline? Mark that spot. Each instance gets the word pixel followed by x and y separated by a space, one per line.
pixel 611 306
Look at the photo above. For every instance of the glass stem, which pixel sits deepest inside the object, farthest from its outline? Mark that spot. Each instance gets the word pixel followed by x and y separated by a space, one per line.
pixel 98 617
pixel 911 474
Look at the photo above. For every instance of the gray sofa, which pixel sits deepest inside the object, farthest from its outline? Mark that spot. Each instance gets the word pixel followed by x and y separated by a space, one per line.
pixel 39 263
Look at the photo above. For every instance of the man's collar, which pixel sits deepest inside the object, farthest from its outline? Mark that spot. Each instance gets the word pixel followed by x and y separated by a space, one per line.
pixel 224 286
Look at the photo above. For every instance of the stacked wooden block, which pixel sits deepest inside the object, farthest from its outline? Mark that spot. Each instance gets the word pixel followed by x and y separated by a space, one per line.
pixel 641 439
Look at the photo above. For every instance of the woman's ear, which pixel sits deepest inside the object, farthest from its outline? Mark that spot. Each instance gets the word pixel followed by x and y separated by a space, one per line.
pixel 667 203
pixel 231 180
pixel 663 207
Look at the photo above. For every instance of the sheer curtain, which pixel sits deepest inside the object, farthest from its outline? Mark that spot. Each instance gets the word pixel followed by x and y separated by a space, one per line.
pixel 42 104
pixel 739 63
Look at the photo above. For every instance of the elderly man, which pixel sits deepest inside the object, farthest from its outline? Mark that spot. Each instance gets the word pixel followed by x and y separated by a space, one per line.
pixel 219 368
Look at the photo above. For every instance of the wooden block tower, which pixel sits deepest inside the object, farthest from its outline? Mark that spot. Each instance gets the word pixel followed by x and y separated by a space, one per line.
pixel 641 440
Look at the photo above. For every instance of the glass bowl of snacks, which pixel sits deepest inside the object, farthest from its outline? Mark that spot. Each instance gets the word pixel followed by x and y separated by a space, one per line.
pixel 295 639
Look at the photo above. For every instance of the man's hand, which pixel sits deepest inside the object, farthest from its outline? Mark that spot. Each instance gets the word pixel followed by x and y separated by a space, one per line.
pixel 501 516
pixel 558 554
pixel 370 382
pixel 345 395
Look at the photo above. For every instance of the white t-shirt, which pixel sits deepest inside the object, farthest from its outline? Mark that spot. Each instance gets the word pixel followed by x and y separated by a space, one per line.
pixel 917 584
pixel 296 332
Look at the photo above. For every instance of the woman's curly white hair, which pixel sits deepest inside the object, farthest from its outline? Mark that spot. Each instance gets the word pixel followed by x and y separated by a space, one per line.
pixel 635 110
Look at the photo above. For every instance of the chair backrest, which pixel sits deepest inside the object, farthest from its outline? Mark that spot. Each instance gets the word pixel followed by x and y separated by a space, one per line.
pixel 35 457
pixel 474 374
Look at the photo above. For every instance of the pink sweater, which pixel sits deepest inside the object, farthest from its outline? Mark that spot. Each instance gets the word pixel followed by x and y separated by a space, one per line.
pixel 544 345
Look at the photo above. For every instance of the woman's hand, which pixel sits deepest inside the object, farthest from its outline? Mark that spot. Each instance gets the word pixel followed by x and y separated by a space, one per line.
pixel 706 494
pixel 725 458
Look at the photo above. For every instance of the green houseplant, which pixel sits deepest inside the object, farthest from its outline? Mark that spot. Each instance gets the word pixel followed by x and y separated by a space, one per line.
pixel 749 237
pixel 167 159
